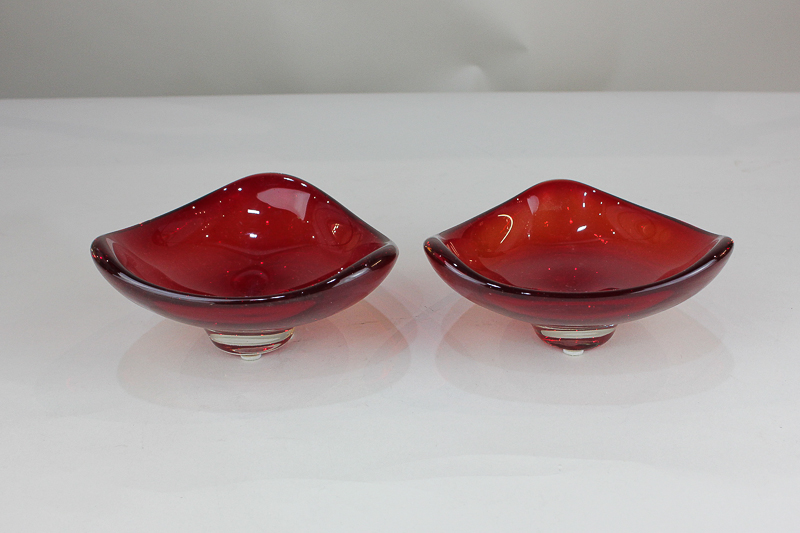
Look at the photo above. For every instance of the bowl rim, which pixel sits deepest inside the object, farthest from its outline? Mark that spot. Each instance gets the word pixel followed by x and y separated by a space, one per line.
pixel 107 261
pixel 437 250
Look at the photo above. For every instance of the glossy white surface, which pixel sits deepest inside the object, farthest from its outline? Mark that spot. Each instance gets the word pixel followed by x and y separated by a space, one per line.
pixel 413 410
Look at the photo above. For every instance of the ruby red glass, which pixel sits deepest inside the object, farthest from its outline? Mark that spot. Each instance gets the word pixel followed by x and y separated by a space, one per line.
pixel 248 262
pixel 575 261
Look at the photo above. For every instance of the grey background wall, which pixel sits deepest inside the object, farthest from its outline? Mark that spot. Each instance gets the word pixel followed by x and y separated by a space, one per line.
pixel 54 48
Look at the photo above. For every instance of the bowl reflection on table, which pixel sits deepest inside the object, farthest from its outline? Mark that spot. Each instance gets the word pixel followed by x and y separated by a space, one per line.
pixel 248 262
pixel 575 261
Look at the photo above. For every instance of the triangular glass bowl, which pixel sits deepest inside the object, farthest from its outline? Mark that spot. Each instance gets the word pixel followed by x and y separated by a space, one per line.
pixel 249 261
pixel 575 261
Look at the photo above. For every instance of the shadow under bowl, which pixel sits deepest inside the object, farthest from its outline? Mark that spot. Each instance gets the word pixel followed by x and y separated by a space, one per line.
pixel 575 261
pixel 248 262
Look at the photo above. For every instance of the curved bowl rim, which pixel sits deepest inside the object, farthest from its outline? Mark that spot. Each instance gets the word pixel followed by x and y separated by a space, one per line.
pixel 387 251
pixel 436 248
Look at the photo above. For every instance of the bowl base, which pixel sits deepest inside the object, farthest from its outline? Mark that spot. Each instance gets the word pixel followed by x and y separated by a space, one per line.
pixel 250 346
pixel 575 339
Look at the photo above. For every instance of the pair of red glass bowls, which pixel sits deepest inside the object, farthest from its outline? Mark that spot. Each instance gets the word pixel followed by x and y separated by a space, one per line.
pixel 251 261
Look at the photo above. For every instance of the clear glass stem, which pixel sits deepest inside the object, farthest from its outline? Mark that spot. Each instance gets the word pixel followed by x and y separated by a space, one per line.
pixel 573 340
pixel 250 346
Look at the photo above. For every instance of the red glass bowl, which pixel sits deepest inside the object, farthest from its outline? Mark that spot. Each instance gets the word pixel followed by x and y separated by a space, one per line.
pixel 575 261
pixel 248 262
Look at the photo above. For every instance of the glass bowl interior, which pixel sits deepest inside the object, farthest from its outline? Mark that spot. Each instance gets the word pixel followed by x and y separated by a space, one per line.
pixel 262 235
pixel 566 237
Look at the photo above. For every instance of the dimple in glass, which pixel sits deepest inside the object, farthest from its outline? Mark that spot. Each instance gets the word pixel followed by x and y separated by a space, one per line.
pixel 248 262
pixel 575 261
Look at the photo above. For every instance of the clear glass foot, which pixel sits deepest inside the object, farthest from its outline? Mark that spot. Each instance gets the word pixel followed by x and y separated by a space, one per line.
pixel 575 339
pixel 250 346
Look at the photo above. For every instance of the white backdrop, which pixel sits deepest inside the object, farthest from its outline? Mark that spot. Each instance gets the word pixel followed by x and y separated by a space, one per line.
pixel 182 47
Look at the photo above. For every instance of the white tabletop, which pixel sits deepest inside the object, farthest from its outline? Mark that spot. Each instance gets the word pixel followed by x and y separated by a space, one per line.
pixel 414 410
